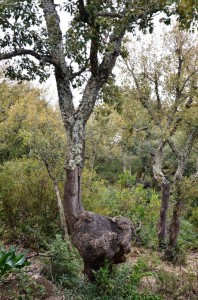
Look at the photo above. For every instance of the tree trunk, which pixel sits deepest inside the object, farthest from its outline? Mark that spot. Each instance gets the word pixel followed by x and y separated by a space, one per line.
pixel 97 238
pixel 72 197
pixel 174 228
pixel 162 227
pixel 165 196
pixel 175 220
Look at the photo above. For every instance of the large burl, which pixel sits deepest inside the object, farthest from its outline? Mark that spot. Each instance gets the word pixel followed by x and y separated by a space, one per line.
pixel 100 238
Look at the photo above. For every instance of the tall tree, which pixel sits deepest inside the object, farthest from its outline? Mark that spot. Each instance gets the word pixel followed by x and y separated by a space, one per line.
pixel 31 39
pixel 182 156
pixel 165 83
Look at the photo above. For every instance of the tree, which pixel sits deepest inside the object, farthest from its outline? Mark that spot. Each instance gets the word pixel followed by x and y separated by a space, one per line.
pixel 182 156
pixel 31 34
pixel 166 86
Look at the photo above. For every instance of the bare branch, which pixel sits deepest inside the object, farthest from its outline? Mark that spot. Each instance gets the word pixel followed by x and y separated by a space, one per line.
pixel 142 98
pixel 141 129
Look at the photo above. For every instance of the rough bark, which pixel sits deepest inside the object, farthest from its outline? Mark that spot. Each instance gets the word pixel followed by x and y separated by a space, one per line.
pixel 100 238
pixel 175 220
pixel 96 237
pixel 165 195
pixel 162 228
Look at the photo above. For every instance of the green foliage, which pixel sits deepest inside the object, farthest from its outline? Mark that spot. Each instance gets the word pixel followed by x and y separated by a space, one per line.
pixel 21 286
pixel 27 203
pixel 121 283
pixel 126 180
pixel 176 286
pixel 64 263
pixel 64 268
pixel 188 237
pixel 140 205
pixel 9 261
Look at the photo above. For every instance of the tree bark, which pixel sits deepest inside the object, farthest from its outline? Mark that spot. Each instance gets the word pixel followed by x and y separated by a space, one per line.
pixel 165 195
pixel 162 227
pixel 97 238
pixel 175 220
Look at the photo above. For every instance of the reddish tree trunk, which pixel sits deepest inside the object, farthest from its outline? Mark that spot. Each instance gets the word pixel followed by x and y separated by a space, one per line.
pixel 162 228
pixel 72 197
pixel 174 225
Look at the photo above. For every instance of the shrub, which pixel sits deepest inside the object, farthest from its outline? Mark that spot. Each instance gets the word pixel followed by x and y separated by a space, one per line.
pixel 121 283
pixel 64 263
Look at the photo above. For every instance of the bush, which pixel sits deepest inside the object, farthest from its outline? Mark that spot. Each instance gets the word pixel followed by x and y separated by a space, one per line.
pixel 28 209
pixel 121 283
pixel 64 263
pixel 176 286
pixel 136 203
pixel 65 269
pixel 188 237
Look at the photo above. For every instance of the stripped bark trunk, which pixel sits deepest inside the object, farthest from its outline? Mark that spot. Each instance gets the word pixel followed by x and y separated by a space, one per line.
pixel 165 195
pixel 175 220
pixel 162 228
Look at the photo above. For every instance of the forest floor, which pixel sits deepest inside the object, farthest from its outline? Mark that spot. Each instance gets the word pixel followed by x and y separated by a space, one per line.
pixel 172 282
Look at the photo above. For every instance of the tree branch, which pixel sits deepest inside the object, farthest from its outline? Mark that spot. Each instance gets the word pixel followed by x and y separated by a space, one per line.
pixel 78 73
pixel 84 15
pixel 174 148
pixel 22 51
pixel 110 14
pixel 62 71
pixel 179 70
pixel 157 92
pixel 185 153
pixel 187 79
